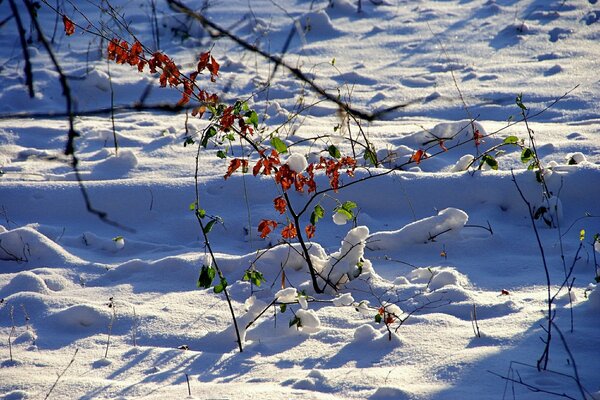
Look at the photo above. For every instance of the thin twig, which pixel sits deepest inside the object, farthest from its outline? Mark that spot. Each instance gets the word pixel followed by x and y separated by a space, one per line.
pixel 61 374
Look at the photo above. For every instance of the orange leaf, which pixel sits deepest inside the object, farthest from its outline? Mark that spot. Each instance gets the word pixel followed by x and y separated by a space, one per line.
pixel 266 226
pixel 213 67
pixel 234 165
pixel 280 204
pixel 69 25
pixel 418 156
pixel 310 231
pixel 289 232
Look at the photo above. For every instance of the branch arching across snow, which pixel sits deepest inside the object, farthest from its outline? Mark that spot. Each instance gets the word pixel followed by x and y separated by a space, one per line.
pixel 72 135
pixel 178 6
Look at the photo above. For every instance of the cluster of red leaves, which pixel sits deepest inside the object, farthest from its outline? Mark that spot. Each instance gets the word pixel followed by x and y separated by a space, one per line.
pixel 332 169
pixel 122 53
pixel 228 119
pixel 287 178
pixel 69 26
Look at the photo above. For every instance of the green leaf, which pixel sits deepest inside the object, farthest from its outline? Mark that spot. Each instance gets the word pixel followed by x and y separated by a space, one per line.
pixel 370 156
pixel 295 321
pixel 221 154
pixel 192 206
pixel 511 140
pixel 345 213
pixel 282 308
pixel 582 235
pixel 201 212
pixel 378 318
pixel 207 275
pixel 208 227
pixel 252 118
pixel 278 145
pixel 349 206
pixel 334 152
pixel 317 214
pixel 526 155
pixel 188 140
pixel 256 277
pixel 210 132
pixel 221 286
pixel 519 101
pixel 491 161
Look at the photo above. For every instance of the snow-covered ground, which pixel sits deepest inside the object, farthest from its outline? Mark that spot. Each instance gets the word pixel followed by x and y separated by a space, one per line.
pixel 435 242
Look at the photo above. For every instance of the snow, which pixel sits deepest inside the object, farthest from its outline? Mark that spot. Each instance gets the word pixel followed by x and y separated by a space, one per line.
pixel 297 162
pixel 445 246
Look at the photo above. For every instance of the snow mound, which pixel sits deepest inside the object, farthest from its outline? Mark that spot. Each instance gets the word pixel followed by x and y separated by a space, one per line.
pixel 386 392
pixel 16 395
pixel 25 281
pixel 318 25
pixel 115 166
pixel 593 302
pixel 81 318
pixel 449 220
pixel 29 246
pixel 309 321
pixel 348 263
pixel 446 277
pixel 368 337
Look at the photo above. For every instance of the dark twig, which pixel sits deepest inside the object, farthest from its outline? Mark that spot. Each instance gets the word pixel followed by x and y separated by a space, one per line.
pixel 72 134
pixel 279 62
pixel 61 374
pixel 542 362
pixel 23 40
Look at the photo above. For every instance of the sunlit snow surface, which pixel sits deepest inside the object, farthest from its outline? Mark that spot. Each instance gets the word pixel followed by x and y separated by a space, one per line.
pixel 440 239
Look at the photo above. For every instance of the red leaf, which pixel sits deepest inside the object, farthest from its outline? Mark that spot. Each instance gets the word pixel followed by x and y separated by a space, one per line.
pixel 280 204
pixel 441 142
pixel 266 226
pixel 310 231
pixel 204 57
pixel 69 25
pixel 478 137
pixel 289 232
pixel 234 165
pixel 285 177
pixel 213 67
pixel 418 156
pixel 504 292
pixel 134 53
